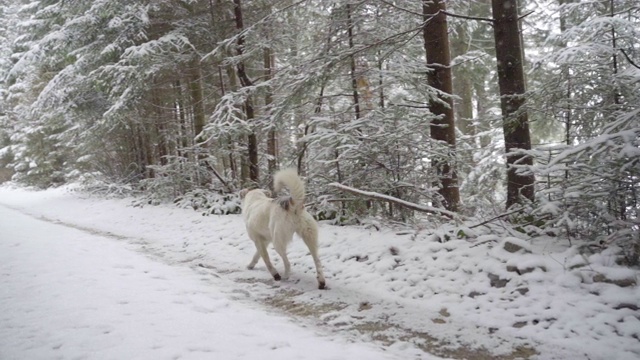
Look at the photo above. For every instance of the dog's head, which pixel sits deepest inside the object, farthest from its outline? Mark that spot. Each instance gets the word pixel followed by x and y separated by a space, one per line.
pixel 244 192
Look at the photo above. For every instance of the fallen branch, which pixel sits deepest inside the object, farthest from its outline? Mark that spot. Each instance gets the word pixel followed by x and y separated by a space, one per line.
pixel 496 218
pixel 408 205
pixel 217 174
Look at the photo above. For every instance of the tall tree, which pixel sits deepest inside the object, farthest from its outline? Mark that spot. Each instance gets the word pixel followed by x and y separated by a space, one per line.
pixel 252 138
pixel 436 44
pixel 512 88
pixel 352 64
pixel 272 137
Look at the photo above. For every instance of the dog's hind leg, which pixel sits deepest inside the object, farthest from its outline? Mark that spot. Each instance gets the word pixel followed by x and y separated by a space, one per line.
pixel 312 244
pixel 309 235
pixel 281 235
pixel 281 249
pixel 254 261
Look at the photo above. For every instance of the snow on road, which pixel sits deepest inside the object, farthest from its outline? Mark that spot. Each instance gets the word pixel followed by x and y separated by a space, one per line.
pixel 69 294
pixel 101 278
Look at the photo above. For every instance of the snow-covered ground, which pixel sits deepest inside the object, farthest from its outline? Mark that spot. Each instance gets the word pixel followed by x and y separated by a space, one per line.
pixel 85 277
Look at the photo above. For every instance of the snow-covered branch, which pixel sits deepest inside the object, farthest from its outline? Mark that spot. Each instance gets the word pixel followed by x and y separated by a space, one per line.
pixel 408 205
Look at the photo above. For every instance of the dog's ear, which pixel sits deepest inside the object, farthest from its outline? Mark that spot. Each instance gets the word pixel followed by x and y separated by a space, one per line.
pixel 243 193
pixel 267 193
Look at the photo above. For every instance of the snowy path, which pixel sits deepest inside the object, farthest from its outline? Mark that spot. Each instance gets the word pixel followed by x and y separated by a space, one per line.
pixel 67 294
pixel 401 292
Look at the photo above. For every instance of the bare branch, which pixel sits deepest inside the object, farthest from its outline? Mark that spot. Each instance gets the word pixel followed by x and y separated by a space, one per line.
pixel 444 12
pixel 525 15
pixel 467 17
pixel 400 8
pixel 496 218
pixel 629 59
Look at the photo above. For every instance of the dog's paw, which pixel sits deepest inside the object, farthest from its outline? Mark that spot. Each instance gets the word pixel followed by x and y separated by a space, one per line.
pixel 277 277
pixel 322 285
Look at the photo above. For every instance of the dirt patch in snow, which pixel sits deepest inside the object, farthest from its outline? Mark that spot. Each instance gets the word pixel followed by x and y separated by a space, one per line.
pixel 385 331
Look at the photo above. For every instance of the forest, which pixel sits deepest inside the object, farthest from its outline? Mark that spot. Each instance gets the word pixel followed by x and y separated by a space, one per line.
pixel 522 111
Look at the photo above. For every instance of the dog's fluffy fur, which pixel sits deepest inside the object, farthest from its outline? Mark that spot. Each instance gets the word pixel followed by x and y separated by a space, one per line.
pixel 276 220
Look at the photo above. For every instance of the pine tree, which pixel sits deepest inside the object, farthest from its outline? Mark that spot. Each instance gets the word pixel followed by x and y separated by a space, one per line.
pixel 512 91
pixel 436 43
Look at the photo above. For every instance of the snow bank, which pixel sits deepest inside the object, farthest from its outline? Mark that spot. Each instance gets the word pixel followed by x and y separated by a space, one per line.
pixel 478 294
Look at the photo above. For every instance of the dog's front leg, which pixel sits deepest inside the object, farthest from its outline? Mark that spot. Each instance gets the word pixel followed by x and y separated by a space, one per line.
pixel 262 248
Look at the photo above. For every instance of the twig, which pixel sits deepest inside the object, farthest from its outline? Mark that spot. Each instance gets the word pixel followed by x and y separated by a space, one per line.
pixel 525 15
pixel 467 17
pixel 629 59
pixel 400 8
pixel 483 242
pixel 496 218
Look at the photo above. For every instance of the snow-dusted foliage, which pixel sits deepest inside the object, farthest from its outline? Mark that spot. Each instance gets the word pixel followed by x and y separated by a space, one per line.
pixel 180 99
pixel 590 183
pixel 349 106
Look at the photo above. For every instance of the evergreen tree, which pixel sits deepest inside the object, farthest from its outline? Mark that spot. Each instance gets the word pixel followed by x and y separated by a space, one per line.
pixel 436 43
pixel 512 91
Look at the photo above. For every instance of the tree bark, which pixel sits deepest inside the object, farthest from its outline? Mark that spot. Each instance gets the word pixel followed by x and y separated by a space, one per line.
pixel 245 81
pixel 159 125
pixel 436 44
pixel 566 76
pixel 482 100
pixel 354 78
pixel 197 99
pixel 272 140
pixel 179 110
pixel 233 162
pixel 614 58
pixel 512 88
pixel 199 118
pixel 462 84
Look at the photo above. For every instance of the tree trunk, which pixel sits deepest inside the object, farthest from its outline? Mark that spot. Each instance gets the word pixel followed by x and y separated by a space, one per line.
pixel 354 78
pixel 245 81
pixel 512 89
pixel 272 143
pixel 159 126
pixel 197 99
pixel 462 84
pixel 482 111
pixel 233 162
pixel 614 59
pixel 566 76
pixel 436 44
pixel 178 108
pixel 197 106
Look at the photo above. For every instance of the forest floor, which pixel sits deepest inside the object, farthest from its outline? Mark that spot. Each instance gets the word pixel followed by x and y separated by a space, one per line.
pixel 484 297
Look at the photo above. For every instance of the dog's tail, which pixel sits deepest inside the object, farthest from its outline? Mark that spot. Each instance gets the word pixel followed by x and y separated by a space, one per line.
pixel 290 179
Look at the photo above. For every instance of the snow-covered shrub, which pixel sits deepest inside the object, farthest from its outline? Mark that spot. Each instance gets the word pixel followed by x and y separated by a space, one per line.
pixel 592 190
pixel 333 212
pixel 188 185
pixel 210 203
pixel 175 178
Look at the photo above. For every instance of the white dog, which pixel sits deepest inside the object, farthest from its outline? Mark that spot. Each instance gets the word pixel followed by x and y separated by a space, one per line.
pixel 276 220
